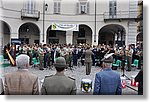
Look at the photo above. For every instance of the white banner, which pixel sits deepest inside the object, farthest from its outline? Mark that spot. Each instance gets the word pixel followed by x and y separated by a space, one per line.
pixel 65 27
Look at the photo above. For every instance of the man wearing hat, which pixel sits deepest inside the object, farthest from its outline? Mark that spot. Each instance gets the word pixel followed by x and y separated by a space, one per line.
pixel 107 81
pixel 59 84
pixel 21 82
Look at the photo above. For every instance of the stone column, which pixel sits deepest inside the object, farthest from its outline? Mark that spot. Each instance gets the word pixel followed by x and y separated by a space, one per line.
pixel 69 37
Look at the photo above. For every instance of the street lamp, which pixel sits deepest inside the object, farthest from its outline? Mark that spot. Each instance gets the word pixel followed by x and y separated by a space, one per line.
pixel 45 6
pixel 95 24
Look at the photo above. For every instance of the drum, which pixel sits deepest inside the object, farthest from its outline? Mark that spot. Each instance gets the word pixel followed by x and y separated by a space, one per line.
pixel 133 82
pixel 86 85
pixel 123 82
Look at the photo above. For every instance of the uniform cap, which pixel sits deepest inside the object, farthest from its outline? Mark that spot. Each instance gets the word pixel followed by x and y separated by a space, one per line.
pixel 60 62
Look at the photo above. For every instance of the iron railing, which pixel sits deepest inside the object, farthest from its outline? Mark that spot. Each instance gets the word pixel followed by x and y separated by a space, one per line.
pixel 25 13
pixel 121 15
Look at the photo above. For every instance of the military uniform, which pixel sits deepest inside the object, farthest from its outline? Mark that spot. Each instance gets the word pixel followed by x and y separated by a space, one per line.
pixel 58 84
pixel 41 58
pixel 88 61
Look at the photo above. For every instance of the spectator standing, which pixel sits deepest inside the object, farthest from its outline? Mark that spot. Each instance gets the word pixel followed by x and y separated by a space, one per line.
pixel 107 81
pixel 21 82
pixel 59 84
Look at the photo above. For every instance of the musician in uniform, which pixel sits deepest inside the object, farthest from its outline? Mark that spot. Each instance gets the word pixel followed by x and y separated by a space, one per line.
pixel 75 56
pixel 129 53
pixel 59 84
pixel 48 56
pixel 41 57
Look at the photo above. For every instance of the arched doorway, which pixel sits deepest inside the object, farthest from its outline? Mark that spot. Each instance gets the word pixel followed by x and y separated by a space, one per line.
pixel 139 38
pixel 56 36
pixel 29 33
pixel 83 36
pixel 112 34
pixel 5 33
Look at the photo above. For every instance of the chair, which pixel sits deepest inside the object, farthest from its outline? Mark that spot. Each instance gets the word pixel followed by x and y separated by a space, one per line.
pixel 116 65
pixel 35 62
pixel 97 61
pixel 4 62
pixel 135 63
pixel 114 61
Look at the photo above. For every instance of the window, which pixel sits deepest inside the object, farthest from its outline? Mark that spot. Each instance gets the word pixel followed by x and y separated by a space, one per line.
pixel 56 7
pixel 82 7
pixel 30 6
pixel 112 8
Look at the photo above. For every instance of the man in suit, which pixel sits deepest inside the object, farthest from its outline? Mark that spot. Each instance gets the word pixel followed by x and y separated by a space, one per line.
pixel 88 60
pixel 107 81
pixel 59 84
pixel 21 82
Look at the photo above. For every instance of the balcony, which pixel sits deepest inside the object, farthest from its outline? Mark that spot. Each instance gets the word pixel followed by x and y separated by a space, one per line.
pixel 121 15
pixel 30 14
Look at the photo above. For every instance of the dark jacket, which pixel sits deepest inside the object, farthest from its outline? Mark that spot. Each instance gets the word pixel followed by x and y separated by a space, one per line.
pixel 58 84
pixel 139 78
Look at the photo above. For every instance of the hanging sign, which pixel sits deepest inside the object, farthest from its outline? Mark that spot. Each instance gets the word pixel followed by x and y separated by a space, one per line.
pixel 65 27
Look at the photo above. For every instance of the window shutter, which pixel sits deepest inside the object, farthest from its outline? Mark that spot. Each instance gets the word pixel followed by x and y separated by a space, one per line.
pixel 34 6
pixel 58 7
pixel 77 8
pixel 88 9
pixel 55 7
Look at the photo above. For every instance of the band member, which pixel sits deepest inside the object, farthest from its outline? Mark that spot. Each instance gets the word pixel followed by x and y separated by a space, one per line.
pixel 129 53
pixel 45 55
pixel 75 56
pixel 41 57
pixel 94 50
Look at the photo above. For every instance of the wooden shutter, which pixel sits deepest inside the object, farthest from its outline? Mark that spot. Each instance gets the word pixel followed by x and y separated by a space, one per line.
pixel 88 9
pixel 55 7
pixel 58 7
pixel 77 7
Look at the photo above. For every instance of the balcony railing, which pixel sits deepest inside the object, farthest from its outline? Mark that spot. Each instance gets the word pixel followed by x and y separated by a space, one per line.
pixel 121 15
pixel 33 14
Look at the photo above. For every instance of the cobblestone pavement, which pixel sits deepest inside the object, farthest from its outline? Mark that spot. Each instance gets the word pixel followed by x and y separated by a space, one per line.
pixel 78 73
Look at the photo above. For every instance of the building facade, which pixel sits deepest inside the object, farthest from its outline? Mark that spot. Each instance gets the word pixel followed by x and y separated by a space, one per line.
pixel 108 21
pixel 140 22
